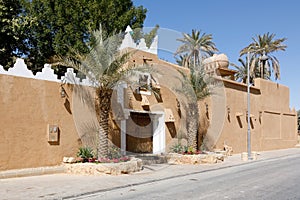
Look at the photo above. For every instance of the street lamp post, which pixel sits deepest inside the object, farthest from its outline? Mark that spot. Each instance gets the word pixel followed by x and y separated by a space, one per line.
pixel 248 108
pixel 263 59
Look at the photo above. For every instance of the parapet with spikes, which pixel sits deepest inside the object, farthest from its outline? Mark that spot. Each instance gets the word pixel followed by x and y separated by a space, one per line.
pixel 128 42
pixel 20 69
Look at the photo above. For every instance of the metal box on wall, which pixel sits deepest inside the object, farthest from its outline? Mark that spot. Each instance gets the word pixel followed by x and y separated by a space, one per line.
pixel 53 134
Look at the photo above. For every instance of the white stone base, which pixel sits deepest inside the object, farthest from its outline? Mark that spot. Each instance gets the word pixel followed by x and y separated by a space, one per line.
pixel 134 165
pixel 174 158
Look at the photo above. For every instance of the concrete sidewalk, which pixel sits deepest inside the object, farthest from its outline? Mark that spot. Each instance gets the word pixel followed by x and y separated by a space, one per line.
pixel 66 186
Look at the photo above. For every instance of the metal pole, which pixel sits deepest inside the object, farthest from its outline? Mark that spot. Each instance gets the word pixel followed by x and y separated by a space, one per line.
pixel 248 108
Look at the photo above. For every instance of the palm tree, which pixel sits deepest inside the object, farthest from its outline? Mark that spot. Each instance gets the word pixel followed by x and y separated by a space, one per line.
pixel 242 70
pixel 182 60
pixel 263 46
pixel 104 66
pixel 197 46
pixel 241 74
pixel 195 87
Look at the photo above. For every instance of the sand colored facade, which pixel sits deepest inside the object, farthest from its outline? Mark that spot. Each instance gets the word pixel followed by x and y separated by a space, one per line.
pixel 273 124
pixel 223 116
pixel 152 124
pixel 27 107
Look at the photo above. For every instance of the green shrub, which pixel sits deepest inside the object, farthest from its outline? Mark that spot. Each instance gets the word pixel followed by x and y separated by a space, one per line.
pixel 85 153
pixel 177 148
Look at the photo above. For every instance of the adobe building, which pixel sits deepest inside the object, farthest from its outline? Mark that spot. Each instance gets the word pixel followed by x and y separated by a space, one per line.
pixel 273 125
pixel 151 118
pixel 223 115
pixel 44 119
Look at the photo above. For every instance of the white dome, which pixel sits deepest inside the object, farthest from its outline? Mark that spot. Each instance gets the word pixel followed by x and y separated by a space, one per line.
pixel 216 61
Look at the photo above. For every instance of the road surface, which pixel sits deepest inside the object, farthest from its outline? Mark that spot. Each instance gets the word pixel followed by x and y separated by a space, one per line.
pixel 270 179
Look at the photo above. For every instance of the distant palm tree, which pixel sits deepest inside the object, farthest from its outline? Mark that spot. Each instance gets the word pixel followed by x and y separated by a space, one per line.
pixel 196 46
pixel 104 65
pixel 263 46
pixel 241 74
pixel 182 60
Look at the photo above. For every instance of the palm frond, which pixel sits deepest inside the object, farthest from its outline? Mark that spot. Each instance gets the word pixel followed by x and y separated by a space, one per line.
pixel 196 85
pixel 196 46
pixel 266 44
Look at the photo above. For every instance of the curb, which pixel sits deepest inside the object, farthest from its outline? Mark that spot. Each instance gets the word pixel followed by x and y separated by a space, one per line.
pixel 31 172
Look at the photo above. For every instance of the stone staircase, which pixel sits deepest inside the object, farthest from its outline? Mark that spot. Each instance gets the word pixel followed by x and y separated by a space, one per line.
pixel 149 159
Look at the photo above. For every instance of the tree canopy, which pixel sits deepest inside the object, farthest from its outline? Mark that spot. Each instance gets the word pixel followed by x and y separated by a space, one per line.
pixel 61 25
pixel 8 12
pixel 13 31
pixel 138 34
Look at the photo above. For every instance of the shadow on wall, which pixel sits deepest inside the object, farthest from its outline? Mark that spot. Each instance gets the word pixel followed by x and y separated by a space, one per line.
pixel 68 106
pixel 85 115
pixel 88 134
pixel 172 129
pixel 239 121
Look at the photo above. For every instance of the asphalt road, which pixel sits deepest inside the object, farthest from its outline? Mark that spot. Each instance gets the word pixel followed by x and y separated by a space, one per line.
pixel 270 179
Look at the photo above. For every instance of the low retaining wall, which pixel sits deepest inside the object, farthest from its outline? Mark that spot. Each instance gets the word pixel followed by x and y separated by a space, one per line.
pixel 211 158
pixel 134 165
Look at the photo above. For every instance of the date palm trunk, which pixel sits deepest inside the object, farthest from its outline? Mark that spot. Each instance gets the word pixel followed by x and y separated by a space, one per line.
pixel 103 106
pixel 192 125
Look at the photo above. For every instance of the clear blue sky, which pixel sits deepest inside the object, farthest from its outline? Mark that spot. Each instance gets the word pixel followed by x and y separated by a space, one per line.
pixel 233 23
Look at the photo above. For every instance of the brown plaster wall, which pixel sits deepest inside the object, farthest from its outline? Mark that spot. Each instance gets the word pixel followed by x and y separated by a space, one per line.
pixel 172 129
pixel 139 58
pixel 273 123
pixel 27 106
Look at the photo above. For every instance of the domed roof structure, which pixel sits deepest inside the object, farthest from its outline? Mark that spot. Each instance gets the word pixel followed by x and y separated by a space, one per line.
pixel 216 61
